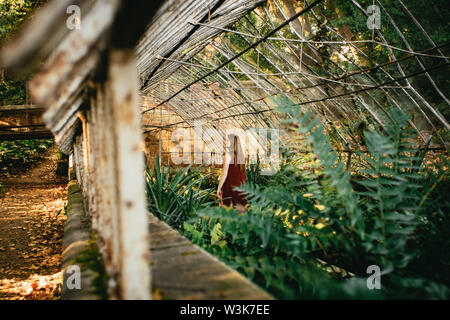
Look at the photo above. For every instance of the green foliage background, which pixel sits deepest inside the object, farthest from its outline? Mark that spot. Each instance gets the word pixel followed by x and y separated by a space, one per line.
pixel 17 155
pixel 12 14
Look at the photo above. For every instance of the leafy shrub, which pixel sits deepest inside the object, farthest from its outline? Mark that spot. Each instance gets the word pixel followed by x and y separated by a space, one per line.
pixel 211 178
pixel 22 153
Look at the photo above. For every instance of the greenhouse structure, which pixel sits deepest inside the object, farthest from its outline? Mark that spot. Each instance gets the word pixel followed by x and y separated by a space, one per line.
pixel 231 149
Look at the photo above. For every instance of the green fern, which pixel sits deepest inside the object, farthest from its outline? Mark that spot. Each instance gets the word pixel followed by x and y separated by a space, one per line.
pixel 301 214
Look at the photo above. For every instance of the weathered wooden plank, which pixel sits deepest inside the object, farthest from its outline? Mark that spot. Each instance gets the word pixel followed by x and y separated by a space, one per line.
pixel 15 117
pixel 65 136
pixel 62 105
pixel 182 270
pixel 39 36
pixel 77 158
pixel 22 108
pixel 75 47
pixel 108 216
pixel 22 122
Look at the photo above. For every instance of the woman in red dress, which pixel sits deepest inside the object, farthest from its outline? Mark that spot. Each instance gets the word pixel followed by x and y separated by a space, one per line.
pixel 233 175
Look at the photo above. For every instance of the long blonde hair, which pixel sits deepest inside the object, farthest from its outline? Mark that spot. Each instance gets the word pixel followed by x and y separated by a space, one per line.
pixel 238 151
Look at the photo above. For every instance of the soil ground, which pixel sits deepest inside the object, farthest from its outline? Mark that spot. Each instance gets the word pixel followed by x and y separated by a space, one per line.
pixel 31 232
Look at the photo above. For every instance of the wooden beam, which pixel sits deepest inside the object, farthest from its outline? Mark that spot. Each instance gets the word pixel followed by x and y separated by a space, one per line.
pixel 20 115
pixel 22 122
pixel 124 106
pixel 22 108
pixel 25 135
pixel 74 49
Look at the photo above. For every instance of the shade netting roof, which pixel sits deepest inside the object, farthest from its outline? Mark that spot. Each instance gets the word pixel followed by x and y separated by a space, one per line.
pixel 222 64
pixel 225 63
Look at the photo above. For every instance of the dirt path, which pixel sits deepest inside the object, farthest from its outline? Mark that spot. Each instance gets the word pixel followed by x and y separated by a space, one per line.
pixel 43 172
pixel 31 233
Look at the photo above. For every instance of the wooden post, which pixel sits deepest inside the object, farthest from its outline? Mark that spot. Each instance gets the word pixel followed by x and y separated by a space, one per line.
pixel 160 147
pixel 78 159
pixel 123 104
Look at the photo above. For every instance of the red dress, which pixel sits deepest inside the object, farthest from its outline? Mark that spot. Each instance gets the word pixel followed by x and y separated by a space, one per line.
pixel 236 176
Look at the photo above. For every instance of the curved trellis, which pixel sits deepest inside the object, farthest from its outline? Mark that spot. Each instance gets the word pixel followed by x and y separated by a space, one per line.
pixel 221 64
pixel 209 80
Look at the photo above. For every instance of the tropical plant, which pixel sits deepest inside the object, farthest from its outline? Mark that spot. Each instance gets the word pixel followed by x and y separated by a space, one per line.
pixel 173 196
